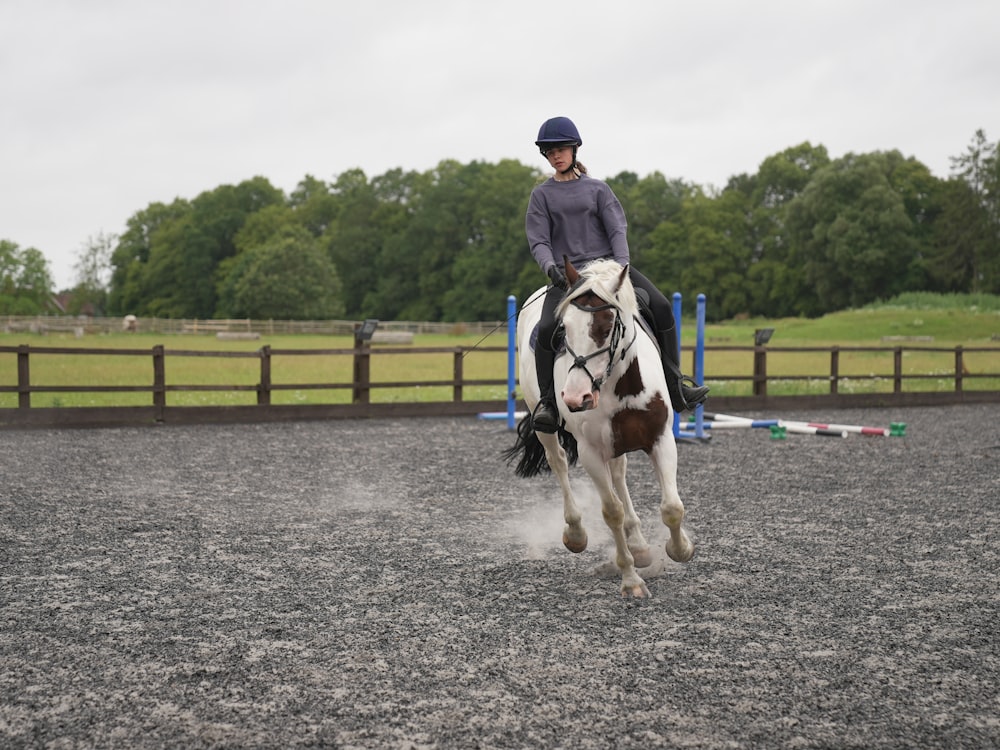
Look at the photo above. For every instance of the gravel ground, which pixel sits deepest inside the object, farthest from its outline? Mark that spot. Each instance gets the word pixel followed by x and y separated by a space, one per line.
pixel 391 584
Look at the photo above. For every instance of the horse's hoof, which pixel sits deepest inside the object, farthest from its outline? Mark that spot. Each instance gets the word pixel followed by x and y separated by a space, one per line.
pixel 682 555
pixel 576 543
pixel 641 557
pixel 636 590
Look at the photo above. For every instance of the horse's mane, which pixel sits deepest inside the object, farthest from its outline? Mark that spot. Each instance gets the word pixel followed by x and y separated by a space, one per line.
pixel 600 277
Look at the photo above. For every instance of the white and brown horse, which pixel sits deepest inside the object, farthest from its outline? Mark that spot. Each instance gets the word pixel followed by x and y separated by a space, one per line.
pixel 612 398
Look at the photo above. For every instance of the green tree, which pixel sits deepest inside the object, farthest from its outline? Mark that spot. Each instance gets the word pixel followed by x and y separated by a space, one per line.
pixel 960 240
pixel 704 249
pixel 286 277
pixel 647 202
pixel 780 179
pixel 488 267
pixel 413 272
pixel 180 278
pixel 850 235
pixel 93 275
pixel 25 280
pixel 314 205
pixel 976 230
pixel 128 289
pixel 355 236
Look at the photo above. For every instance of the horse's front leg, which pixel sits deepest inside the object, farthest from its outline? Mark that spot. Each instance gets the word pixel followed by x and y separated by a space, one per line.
pixel 664 457
pixel 574 535
pixel 613 510
pixel 637 543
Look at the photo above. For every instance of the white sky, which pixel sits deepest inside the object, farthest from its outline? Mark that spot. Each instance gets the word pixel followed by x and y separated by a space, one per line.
pixel 109 105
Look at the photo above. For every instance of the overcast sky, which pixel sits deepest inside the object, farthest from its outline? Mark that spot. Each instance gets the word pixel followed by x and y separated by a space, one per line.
pixel 110 105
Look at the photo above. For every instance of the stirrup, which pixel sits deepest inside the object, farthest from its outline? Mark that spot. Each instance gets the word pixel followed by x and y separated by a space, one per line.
pixel 694 395
pixel 545 418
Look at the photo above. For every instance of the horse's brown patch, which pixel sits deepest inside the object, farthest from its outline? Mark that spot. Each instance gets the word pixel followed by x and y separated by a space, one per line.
pixel 639 429
pixel 601 323
pixel 630 384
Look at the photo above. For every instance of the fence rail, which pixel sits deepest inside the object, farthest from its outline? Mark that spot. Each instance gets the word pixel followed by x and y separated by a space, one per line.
pixel 89 325
pixel 958 375
pixel 361 384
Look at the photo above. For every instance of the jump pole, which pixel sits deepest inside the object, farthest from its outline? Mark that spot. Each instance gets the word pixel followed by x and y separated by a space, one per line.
pixel 807 429
pixel 857 429
pixel 738 424
pixel 727 421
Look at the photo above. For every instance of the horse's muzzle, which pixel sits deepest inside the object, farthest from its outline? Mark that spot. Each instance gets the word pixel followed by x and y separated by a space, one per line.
pixel 587 401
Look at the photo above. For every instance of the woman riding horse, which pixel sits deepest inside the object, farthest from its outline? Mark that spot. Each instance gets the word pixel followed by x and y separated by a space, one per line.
pixel 572 215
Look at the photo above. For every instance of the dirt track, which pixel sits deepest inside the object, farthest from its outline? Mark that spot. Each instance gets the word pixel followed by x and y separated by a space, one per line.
pixel 364 584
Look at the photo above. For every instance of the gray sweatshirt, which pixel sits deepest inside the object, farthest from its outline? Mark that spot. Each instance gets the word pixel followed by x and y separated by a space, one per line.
pixel 581 219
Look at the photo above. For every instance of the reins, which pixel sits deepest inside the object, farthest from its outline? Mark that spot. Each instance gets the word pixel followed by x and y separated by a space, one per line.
pixel 500 325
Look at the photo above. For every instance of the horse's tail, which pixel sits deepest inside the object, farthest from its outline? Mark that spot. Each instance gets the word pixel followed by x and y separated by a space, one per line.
pixel 529 452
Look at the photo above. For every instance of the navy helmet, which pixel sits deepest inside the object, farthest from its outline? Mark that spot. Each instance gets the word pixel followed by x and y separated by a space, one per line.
pixel 558 131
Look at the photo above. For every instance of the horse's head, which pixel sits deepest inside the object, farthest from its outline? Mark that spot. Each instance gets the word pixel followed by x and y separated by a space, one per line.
pixel 596 314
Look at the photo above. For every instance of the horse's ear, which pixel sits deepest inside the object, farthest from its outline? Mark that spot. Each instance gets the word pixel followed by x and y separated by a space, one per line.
pixel 621 277
pixel 572 275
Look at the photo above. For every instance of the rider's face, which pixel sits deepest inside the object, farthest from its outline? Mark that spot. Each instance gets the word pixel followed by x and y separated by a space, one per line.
pixel 560 157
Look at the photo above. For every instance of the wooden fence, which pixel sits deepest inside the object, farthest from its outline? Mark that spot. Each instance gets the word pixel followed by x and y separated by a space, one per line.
pixel 84 325
pixel 361 385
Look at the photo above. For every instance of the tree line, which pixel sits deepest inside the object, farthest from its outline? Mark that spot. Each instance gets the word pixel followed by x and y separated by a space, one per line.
pixel 803 236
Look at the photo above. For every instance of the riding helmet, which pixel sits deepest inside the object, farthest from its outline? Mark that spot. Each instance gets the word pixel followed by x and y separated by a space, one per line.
pixel 558 131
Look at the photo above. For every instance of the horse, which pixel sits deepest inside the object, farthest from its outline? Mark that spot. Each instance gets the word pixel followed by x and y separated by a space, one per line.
pixel 612 401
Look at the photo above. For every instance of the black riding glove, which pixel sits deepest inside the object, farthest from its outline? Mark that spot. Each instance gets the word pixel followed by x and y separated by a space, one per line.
pixel 557 277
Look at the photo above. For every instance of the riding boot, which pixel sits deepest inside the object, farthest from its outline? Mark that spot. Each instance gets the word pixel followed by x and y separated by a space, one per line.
pixel 545 417
pixel 682 396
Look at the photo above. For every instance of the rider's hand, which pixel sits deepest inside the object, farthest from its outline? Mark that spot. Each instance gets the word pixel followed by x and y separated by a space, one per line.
pixel 557 277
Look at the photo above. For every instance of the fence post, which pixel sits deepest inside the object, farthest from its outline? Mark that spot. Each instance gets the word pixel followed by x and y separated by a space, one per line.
pixel 897 370
pixel 759 371
pixel 834 368
pixel 159 382
pixel 456 369
pixel 361 393
pixel 23 378
pixel 264 388
pixel 959 369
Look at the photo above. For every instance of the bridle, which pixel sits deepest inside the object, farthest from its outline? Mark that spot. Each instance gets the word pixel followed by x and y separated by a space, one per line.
pixel 615 339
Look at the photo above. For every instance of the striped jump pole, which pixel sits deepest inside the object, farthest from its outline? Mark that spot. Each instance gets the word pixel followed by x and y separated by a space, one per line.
pixel 723 421
pixel 727 421
pixel 853 428
pixel 807 429
pixel 738 424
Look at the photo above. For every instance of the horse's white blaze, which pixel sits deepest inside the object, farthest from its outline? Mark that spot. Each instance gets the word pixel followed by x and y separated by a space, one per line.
pixel 578 389
pixel 594 430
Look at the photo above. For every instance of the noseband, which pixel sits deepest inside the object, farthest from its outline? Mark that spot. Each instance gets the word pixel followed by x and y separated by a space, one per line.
pixel 617 329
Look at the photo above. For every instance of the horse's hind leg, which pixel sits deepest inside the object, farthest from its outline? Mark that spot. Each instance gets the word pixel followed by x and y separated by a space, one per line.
pixel 574 535
pixel 637 543
pixel 664 457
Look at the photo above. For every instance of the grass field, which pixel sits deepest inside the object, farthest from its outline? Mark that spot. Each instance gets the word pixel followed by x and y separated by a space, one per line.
pixel 922 324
